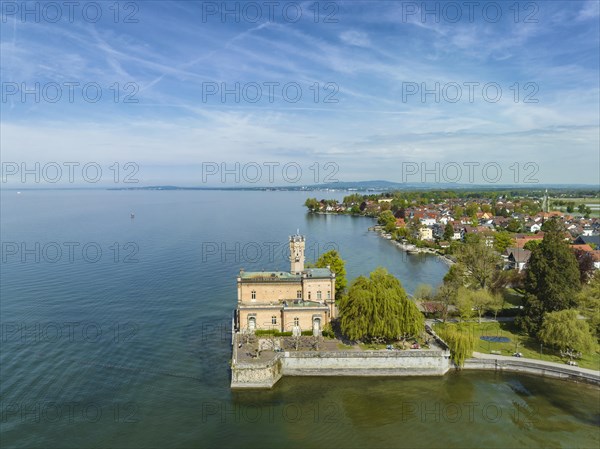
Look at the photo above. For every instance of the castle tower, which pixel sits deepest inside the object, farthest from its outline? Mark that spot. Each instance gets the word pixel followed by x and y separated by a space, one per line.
pixel 297 253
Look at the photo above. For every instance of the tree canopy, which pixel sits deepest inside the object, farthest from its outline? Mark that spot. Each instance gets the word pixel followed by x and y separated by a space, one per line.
pixel 503 240
pixel 482 300
pixel 448 232
pixel 312 204
pixel 338 266
pixel 377 308
pixel 460 341
pixel 563 330
pixel 386 218
pixel 478 263
pixel 588 301
pixel 552 278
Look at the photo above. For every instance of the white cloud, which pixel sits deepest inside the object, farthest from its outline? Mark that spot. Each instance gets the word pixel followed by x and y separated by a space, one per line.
pixel 357 38
pixel 590 10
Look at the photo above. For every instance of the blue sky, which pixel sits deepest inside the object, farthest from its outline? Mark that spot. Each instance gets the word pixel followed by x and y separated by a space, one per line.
pixel 373 59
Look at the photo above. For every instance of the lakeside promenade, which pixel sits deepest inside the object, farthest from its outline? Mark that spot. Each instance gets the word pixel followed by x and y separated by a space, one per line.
pixel 543 368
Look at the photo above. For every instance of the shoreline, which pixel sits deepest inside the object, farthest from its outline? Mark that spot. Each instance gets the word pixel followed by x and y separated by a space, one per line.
pixel 435 361
pixel 266 373
pixel 410 248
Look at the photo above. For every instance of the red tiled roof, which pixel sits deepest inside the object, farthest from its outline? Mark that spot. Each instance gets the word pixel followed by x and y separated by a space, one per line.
pixel 587 248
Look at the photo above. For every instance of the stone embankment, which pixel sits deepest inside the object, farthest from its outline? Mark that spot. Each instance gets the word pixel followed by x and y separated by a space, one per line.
pixel 265 374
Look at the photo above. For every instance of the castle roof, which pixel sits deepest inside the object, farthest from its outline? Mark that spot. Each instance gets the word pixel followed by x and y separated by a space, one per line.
pixel 269 276
pixel 284 276
pixel 318 272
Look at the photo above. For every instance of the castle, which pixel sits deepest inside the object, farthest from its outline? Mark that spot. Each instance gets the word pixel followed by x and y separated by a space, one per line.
pixel 298 300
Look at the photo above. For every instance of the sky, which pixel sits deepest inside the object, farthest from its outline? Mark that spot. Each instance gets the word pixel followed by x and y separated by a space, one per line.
pixel 278 93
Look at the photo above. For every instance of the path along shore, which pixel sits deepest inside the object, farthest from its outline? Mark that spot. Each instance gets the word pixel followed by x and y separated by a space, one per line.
pixel 543 368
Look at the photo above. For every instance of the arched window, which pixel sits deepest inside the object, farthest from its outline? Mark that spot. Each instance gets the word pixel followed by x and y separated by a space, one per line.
pixel 319 294
pixel 273 319
pixel 296 321
pixel 253 294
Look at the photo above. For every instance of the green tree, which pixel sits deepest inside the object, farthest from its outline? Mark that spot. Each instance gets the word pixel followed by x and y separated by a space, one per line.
pixel 312 204
pixel 454 276
pixel 564 331
pixel 503 240
pixel 483 301
pixel 448 232
pixel 551 278
pixel 502 279
pixel 386 218
pixel 423 292
pixel 478 263
pixel 532 244
pixel 377 308
pixel 338 266
pixel 445 295
pixel 464 303
pixel 588 302
pixel 471 210
pixel 353 199
pixel 514 225
pixel 460 341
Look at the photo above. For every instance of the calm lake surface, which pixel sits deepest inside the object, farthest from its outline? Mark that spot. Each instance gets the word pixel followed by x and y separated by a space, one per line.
pixel 115 333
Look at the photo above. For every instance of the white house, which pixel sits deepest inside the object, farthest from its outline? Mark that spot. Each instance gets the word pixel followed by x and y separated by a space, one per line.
pixel 517 258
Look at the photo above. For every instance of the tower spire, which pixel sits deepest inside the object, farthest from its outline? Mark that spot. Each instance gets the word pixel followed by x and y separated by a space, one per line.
pixel 297 253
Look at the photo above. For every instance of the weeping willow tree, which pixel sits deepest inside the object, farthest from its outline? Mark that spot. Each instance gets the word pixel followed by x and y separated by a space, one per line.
pixel 377 309
pixel 460 341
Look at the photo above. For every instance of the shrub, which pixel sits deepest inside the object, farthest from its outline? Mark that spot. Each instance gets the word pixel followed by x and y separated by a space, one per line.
pixel 328 331
pixel 275 333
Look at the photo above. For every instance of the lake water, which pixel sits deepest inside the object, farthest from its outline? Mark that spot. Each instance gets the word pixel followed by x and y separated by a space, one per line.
pixel 115 332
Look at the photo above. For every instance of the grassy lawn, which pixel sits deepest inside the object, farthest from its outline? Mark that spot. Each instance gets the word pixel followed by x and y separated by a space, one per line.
pixel 593 203
pixel 526 345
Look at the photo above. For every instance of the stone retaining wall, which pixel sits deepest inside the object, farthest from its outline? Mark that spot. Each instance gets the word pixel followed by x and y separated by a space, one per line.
pixel 256 375
pixel 340 363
